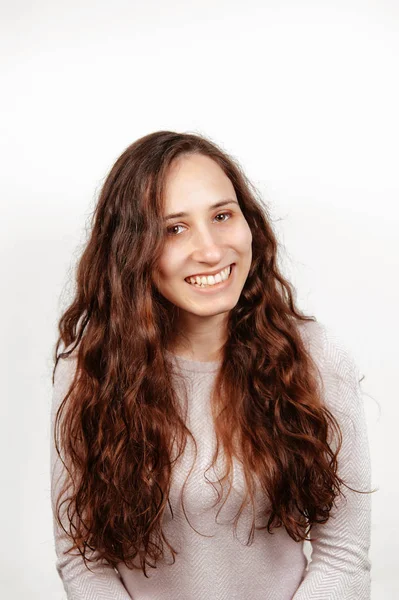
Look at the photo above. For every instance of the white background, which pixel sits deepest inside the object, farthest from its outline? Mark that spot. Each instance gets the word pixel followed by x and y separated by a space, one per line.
pixel 303 94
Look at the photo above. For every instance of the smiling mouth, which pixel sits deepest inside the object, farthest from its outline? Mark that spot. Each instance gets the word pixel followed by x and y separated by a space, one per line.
pixel 216 284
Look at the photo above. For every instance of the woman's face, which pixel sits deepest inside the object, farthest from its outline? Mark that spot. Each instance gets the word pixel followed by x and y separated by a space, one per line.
pixel 206 239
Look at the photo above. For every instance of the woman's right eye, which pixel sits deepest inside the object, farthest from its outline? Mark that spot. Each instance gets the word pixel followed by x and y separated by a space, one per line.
pixel 172 227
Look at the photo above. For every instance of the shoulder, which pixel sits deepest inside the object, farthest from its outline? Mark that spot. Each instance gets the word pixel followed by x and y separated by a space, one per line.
pixel 314 335
pixel 339 372
pixel 65 368
pixel 63 378
pixel 329 350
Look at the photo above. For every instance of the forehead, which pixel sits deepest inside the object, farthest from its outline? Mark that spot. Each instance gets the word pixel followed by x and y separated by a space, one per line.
pixel 196 178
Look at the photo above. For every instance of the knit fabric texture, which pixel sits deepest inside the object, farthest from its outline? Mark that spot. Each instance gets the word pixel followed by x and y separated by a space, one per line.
pixel 213 561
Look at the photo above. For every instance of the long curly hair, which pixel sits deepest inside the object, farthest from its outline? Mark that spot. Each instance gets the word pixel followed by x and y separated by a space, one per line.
pixel 115 429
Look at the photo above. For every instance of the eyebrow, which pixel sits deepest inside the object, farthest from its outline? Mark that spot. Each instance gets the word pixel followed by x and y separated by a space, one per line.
pixel 217 205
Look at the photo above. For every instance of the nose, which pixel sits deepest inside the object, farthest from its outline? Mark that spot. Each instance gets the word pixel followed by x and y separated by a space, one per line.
pixel 207 245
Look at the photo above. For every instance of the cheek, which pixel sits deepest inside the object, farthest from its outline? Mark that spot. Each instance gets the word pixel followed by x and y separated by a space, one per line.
pixel 167 265
pixel 243 237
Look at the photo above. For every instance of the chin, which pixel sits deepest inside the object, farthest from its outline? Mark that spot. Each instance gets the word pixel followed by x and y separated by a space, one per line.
pixel 209 310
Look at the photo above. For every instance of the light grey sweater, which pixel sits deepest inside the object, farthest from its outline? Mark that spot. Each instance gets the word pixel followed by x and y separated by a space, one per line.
pixel 212 563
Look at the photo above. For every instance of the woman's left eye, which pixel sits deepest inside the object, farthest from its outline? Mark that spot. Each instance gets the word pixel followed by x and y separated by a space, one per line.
pixel 169 230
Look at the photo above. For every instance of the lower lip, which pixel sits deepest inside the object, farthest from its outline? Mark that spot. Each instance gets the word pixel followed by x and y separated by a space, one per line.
pixel 218 287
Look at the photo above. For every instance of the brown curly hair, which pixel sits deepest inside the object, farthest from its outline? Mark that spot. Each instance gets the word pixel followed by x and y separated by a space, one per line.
pixel 120 417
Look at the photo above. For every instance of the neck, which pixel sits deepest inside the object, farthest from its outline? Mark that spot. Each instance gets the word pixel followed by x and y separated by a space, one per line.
pixel 203 343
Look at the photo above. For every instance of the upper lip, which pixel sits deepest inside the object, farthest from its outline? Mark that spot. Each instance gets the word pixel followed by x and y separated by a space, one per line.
pixel 211 273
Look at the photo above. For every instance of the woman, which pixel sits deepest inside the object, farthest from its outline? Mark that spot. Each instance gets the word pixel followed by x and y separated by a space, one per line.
pixel 203 426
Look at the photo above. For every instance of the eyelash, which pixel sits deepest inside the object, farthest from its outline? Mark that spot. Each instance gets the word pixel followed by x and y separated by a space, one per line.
pixel 177 225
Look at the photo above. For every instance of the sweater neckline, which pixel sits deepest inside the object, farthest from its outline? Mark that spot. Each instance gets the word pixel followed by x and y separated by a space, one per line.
pixel 195 366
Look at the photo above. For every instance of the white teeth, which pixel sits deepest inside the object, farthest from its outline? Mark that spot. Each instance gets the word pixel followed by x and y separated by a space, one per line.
pixel 210 279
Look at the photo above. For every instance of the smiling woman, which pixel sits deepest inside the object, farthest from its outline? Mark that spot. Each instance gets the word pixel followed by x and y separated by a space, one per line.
pixel 184 352
pixel 204 246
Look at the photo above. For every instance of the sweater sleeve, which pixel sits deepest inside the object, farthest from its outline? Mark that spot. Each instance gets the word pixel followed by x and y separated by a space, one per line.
pixel 340 567
pixel 103 581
